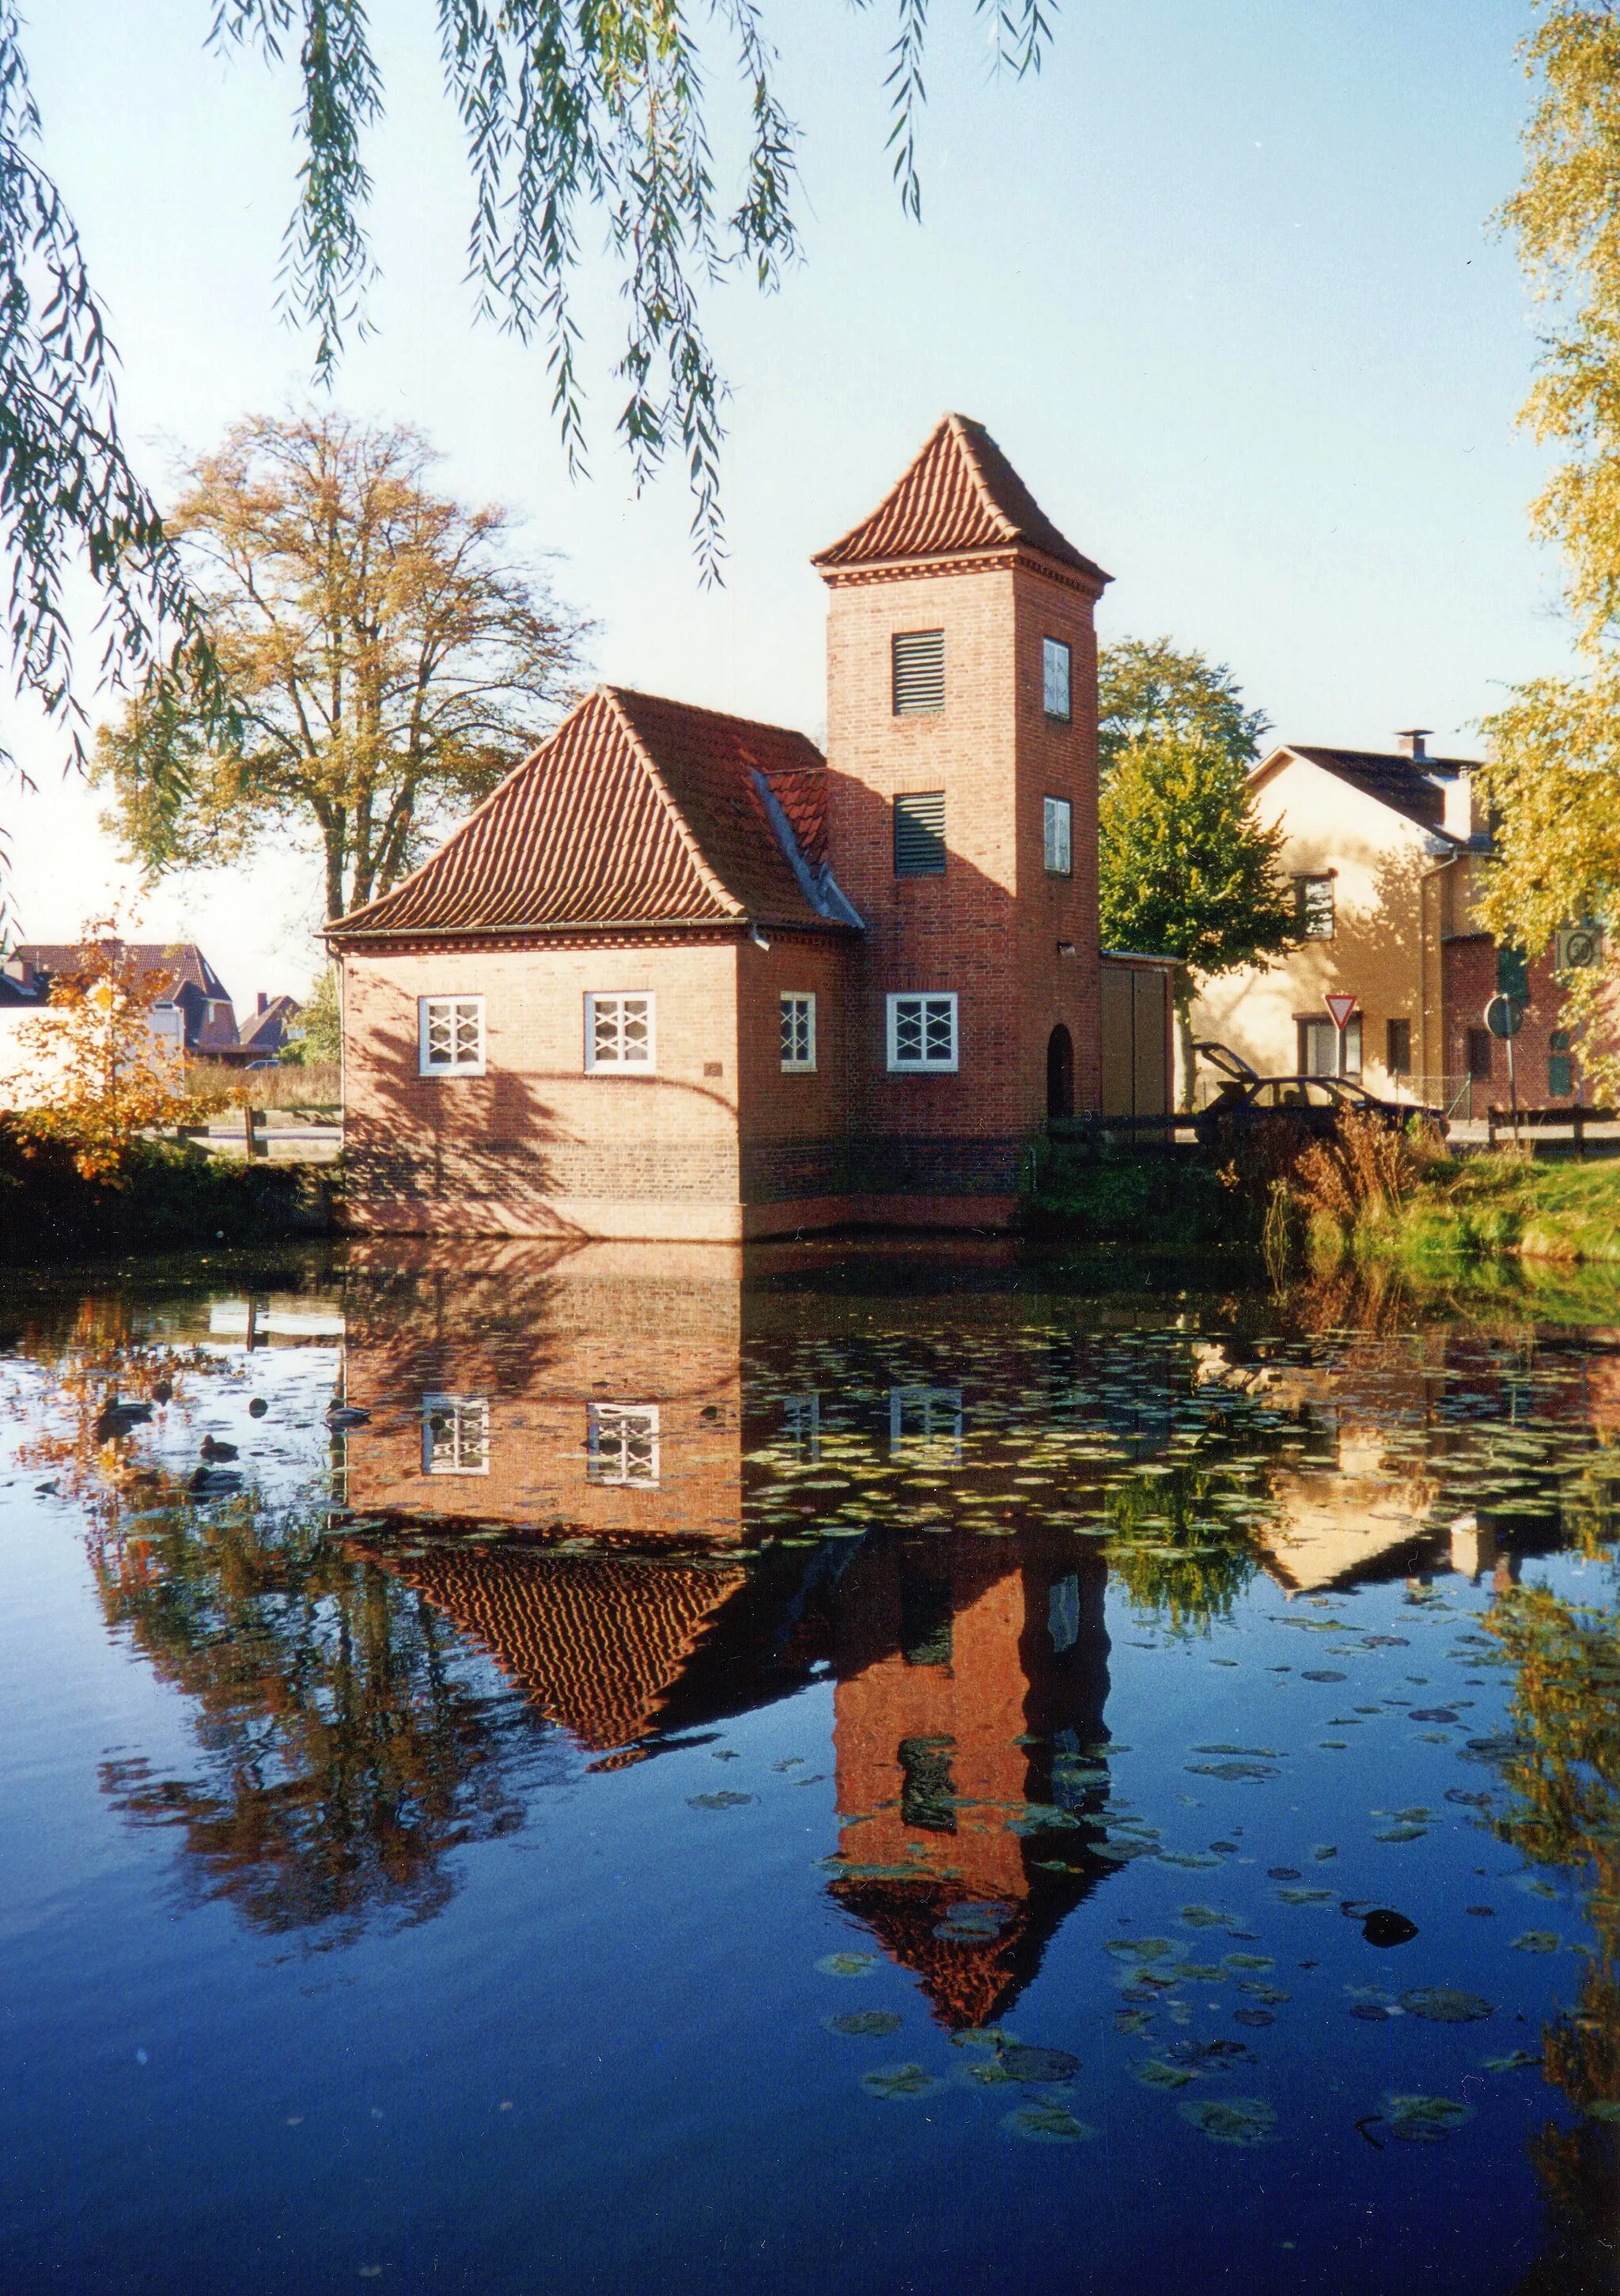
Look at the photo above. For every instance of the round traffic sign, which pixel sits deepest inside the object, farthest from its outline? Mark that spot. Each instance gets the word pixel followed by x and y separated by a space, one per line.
pixel 1504 1016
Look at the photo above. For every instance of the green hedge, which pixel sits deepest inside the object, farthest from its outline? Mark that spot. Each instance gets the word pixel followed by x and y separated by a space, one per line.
pixel 171 1199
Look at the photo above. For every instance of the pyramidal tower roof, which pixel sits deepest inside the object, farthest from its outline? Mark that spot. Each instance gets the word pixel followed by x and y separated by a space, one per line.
pixel 960 496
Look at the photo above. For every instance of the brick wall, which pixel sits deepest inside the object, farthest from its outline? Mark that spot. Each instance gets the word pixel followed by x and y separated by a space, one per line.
pixel 615 1324
pixel 1470 983
pixel 989 928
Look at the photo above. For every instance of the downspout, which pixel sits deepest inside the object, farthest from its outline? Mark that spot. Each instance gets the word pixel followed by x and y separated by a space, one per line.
pixel 1428 879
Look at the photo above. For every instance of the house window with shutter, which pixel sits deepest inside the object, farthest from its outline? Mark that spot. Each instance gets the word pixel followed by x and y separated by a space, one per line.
pixel 923 1035
pixel 450 1036
pixel 620 1035
pixel 1313 907
pixel 919 834
pixel 1054 679
pixel 1059 837
pixel 1560 1065
pixel 798 1034
pixel 920 671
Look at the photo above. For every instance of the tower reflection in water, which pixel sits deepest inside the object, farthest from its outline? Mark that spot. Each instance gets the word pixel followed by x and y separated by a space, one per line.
pixel 565 1453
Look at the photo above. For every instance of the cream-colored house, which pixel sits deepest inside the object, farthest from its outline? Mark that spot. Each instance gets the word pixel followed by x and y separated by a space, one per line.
pixel 1382 848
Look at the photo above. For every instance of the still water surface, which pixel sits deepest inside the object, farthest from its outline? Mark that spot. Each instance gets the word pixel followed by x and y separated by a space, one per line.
pixel 889 1770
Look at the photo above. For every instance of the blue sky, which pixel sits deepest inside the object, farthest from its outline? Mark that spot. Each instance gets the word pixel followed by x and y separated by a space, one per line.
pixel 1220 281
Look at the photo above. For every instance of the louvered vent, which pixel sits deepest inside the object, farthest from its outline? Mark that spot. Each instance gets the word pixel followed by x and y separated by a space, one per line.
pixel 920 671
pixel 919 834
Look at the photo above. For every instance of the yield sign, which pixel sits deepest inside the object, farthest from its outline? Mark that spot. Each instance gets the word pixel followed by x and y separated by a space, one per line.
pixel 1341 1007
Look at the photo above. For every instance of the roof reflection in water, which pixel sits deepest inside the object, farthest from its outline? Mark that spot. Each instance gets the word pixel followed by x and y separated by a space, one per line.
pixel 970 1673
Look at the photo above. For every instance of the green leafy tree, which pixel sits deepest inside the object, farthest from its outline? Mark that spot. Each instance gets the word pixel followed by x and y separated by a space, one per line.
pixel 321 1023
pixel 1148 689
pixel 391 655
pixel 1552 774
pixel 1187 870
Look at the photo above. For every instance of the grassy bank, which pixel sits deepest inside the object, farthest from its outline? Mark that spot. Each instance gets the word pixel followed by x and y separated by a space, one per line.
pixel 171 1200
pixel 1435 1214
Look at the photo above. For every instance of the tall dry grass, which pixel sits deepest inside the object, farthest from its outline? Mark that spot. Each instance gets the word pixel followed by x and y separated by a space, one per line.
pixel 210 1085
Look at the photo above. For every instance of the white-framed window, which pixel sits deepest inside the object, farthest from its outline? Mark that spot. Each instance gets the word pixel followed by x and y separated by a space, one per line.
pixel 1055 662
pixel 621 1033
pixel 1059 826
pixel 798 1032
pixel 622 1444
pixel 925 1423
pixel 455 1435
pixel 1313 907
pixel 923 1033
pixel 450 1036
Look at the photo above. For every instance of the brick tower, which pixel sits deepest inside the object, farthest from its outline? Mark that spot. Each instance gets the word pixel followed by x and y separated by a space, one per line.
pixel 962 823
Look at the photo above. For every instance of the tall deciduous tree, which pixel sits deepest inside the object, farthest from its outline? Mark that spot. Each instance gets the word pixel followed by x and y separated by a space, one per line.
pixel 1186 870
pixel 1149 689
pixel 390 652
pixel 1552 778
pixel 95 1075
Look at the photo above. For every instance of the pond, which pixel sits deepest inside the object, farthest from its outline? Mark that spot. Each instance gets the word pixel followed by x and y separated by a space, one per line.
pixel 886 1767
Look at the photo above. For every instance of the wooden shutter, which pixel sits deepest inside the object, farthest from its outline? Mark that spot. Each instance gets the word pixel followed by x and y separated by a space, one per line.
pixel 919 834
pixel 919 671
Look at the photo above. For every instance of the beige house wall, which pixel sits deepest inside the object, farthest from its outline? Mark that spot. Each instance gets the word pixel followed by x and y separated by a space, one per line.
pixel 1393 901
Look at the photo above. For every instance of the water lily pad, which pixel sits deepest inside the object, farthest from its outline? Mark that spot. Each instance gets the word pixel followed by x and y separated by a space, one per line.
pixel 1609 2110
pixel 1252 2017
pixel 716 1800
pixel 847 1964
pixel 1513 2062
pixel 979 2036
pixel 1032 2064
pixel 989 2075
pixel 1201 1972
pixel 1250 1961
pixel 1323 1674
pixel 1152 1948
pixel 1153 2072
pixel 1538 1941
pixel 1405 1832
pixel 1442 2005
pixel 897 2084
pixel 1424 2119
pixel 1306 1897
pixel 1231 2119
pixel 1047 2124
pixel 860 2024
pixel 1203 1917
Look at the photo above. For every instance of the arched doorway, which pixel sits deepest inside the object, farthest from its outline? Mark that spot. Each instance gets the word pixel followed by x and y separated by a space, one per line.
pixel 1060 1073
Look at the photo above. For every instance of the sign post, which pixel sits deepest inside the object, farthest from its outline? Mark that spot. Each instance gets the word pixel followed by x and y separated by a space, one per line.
pixel 1342 1008
pixel 1504 1017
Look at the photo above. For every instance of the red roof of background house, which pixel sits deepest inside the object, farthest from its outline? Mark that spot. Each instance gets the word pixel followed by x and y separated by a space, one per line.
pixel 1407 785
pixel 960 495
pixel 178 961
pixel 636 811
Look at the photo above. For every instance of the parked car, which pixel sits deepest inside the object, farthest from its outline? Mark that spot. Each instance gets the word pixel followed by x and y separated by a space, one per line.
pixel 1309 1103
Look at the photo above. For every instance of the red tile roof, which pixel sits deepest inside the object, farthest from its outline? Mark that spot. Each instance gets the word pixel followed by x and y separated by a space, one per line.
pixel 636 811
pixel 177 962
pixel 960 496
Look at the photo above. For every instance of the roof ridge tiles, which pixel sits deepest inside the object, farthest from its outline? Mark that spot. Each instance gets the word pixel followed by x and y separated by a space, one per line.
pixel 958 496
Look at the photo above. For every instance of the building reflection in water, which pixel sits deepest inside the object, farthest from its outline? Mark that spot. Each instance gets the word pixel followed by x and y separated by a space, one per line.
pixel 600 1395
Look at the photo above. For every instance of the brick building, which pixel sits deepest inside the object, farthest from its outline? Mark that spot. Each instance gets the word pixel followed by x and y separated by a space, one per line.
pixel 682 976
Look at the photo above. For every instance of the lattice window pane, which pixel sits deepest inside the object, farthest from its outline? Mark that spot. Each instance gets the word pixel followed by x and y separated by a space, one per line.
pixel 940 1021
pixel 452 1034
pixel 1054 678
pixel 622 1444
pixel 1059 837
pixel 456 1435
pixel 798 1032
pixel 620 1031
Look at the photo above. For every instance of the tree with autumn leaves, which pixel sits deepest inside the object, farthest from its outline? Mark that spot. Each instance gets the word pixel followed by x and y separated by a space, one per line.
pixel 390 654
pixel 95 1075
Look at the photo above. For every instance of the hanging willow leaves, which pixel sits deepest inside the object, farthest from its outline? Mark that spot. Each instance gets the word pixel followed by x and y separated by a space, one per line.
pixel 69 499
